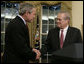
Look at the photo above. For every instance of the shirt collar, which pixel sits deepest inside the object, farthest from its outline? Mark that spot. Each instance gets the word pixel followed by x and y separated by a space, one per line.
pixel 22 19
pixel 65 29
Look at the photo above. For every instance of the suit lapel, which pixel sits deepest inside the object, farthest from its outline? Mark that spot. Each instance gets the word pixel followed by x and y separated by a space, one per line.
pixel 67 38
pixel 58 38
pixel 22 23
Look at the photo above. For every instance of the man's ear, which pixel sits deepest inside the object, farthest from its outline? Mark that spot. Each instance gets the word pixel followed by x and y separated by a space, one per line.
pixel 26 13
pixel 68 21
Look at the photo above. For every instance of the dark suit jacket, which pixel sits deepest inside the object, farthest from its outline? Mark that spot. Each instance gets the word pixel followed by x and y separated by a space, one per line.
pixel 53 42
pixel 17 44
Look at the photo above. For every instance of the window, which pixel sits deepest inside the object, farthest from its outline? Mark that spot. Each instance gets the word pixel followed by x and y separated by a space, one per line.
pixel 49 13
pixel 8 11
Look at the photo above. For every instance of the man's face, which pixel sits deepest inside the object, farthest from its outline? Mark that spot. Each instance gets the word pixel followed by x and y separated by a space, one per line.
pixel 31 16
pixel 61 22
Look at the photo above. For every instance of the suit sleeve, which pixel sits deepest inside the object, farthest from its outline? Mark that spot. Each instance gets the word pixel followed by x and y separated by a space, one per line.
pixel 79 37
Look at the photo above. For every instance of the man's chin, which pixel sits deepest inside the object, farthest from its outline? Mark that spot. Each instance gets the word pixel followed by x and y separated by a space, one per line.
pixel 30 21
pixel 59 26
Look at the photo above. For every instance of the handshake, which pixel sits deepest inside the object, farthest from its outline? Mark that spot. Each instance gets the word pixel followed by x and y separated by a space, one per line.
pixel 38 54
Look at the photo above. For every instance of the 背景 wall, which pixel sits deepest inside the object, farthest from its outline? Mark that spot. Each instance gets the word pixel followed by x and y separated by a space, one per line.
pixel 77 15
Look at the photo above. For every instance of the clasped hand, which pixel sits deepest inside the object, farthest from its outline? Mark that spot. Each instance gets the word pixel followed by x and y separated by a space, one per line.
pixel 38 54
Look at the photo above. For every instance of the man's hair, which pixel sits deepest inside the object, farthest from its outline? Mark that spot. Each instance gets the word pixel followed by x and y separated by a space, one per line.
pixel 66 13
pixel 25 7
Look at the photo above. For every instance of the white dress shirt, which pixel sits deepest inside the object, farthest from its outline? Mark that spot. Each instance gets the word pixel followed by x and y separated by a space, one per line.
pixel 64 32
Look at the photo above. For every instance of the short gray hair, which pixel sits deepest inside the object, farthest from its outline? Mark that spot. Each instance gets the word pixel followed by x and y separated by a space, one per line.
pixel 67 14
pixel 25 7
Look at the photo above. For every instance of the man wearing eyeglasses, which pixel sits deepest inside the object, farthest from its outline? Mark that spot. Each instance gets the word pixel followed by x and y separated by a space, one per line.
pixel 63 34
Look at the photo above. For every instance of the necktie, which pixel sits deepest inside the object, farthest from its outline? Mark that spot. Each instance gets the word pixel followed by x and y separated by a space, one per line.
pixel 61 39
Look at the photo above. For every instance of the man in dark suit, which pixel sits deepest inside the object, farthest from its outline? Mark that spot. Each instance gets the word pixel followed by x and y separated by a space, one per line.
pixel 17 44
pixel 58 39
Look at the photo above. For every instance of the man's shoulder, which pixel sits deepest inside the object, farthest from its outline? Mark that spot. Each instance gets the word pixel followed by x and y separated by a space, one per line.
pixel 14 22
pixel 16 18
pixel 74 28
pixel 54 29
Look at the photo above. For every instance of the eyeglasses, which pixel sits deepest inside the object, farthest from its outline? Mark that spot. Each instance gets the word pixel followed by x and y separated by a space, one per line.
pixel 58 19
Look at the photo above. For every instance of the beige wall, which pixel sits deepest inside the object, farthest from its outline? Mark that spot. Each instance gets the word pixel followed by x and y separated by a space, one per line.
pixel 77 14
